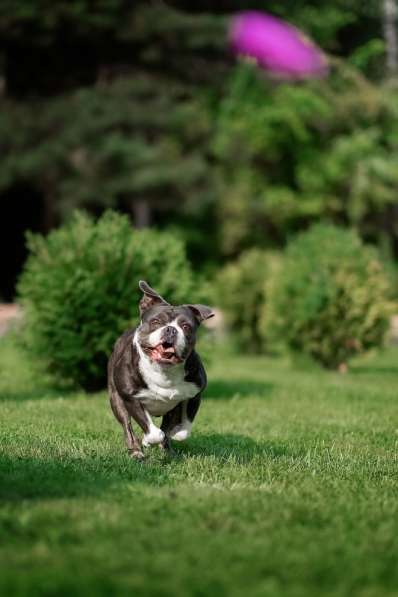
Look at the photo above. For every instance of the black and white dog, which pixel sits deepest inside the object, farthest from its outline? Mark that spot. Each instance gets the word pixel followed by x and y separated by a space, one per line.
pixel 155 371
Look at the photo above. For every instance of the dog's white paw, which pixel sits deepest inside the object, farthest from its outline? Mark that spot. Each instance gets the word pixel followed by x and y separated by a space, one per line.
pixel 136 454
pixel 155 436
pixel 181 432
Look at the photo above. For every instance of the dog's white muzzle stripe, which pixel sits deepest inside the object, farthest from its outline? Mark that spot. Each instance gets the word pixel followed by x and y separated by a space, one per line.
pixel 155 337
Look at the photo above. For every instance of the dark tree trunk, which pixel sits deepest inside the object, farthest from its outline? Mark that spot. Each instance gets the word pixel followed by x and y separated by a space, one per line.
pixel 142 216
pixel 49 217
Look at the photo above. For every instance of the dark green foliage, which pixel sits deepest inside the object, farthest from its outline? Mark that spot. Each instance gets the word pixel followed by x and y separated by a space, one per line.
pixel 118 117
pixel 331 298
pixel 240 290
pixel 138 106
pixel 109 146
pixel 79 290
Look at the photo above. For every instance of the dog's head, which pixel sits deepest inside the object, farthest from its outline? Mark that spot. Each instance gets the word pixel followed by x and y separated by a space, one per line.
pixel 167 333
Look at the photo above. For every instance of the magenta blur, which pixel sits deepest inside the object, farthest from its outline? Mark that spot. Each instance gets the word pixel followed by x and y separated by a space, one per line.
pixel 276 46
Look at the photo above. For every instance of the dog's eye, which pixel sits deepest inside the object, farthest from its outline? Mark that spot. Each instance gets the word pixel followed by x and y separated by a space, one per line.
pixel 155 322
pixel 186 327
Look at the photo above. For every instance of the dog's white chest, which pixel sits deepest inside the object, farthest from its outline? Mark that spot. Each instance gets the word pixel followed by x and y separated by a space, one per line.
pixel 165 387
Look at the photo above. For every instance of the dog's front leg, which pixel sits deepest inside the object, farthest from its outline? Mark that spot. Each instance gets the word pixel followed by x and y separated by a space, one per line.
pixel 182 430
pixel 177 424
pixel 152 434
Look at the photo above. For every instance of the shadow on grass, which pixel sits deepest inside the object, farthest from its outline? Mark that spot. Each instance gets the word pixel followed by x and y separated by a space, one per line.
pixel 374 370
pixel 29 478
pixel 226 445
pixel 242 388
pixel 36 478
pixel 37 393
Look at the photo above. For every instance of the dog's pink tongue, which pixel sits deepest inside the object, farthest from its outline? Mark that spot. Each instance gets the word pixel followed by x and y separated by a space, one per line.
pixel 168 352
pixel 159 352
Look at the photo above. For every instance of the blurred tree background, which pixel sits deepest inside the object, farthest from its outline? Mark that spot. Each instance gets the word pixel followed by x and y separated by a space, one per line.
pixel 140 107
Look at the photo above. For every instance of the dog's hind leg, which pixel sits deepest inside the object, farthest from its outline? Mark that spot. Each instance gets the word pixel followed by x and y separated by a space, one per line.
pixel 122 415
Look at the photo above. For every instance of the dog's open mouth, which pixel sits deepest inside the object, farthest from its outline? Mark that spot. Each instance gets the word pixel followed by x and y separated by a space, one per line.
pixel 165 353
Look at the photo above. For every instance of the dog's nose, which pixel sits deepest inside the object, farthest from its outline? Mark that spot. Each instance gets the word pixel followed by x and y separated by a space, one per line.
pixel 169 333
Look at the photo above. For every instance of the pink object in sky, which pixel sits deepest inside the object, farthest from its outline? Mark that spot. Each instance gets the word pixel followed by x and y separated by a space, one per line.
pixel 276 46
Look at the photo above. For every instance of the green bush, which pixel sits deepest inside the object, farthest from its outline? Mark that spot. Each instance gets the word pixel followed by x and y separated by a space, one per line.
pixel 79 290
pixel 240 291
pixel 331 299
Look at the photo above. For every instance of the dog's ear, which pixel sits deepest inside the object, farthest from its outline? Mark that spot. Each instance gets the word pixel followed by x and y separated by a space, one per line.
pixel 201 312
pixel 150 298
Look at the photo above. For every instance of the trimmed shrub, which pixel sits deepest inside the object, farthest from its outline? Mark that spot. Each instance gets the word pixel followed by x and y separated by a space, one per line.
pixel 331 299
pixel 79 290
pixel 240 291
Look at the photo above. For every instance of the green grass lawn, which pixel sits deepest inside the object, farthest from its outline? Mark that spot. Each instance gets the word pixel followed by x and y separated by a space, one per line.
pixel 288 487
